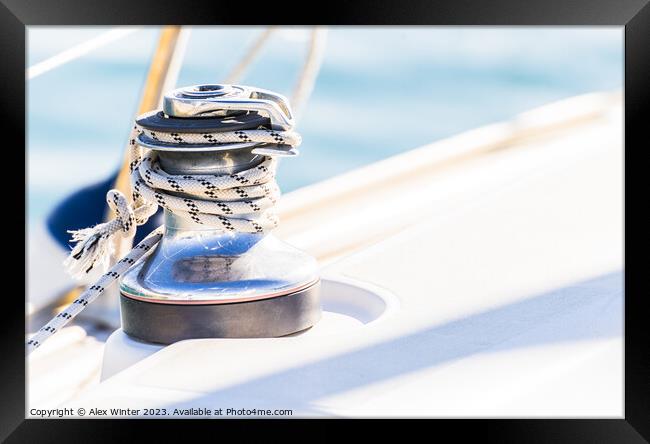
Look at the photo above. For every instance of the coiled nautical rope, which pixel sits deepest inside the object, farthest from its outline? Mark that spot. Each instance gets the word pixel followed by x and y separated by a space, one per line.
pixel 239 202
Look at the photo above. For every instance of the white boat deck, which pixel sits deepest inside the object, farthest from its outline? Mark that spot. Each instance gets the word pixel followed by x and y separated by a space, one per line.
pixel 503 250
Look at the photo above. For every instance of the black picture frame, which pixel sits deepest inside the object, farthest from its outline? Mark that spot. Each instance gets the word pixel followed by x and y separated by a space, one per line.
pixel 634 15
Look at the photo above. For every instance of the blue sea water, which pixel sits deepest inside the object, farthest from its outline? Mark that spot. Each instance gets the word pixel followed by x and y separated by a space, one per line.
pixel 381 91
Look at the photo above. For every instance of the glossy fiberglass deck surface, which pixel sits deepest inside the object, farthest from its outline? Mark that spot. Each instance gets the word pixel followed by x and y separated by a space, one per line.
pixel 509 290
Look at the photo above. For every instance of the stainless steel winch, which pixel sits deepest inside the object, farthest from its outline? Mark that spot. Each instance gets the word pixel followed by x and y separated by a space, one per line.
pixel 202 282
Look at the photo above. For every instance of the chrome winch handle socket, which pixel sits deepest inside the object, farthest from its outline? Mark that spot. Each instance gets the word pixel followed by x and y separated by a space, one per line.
pixel 221 100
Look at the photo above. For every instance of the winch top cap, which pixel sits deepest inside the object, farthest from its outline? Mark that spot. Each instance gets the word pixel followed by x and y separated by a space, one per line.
pixel 210 100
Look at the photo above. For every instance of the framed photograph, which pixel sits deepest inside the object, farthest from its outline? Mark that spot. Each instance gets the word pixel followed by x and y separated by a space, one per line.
pixel 373 212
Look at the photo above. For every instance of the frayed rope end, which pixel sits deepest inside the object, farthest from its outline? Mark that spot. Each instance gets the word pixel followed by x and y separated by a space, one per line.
pixel 92 250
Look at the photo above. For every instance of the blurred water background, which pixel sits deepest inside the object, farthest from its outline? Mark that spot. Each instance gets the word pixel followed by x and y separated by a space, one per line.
pixel 381 91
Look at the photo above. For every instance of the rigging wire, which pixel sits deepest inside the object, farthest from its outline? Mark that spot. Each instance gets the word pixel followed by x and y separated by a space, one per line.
pixel 77 51
pixel 239 70
pixel 308 75
pixel 307 79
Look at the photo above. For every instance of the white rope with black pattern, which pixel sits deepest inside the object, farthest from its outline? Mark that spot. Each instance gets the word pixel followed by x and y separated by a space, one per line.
pixel 240 202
